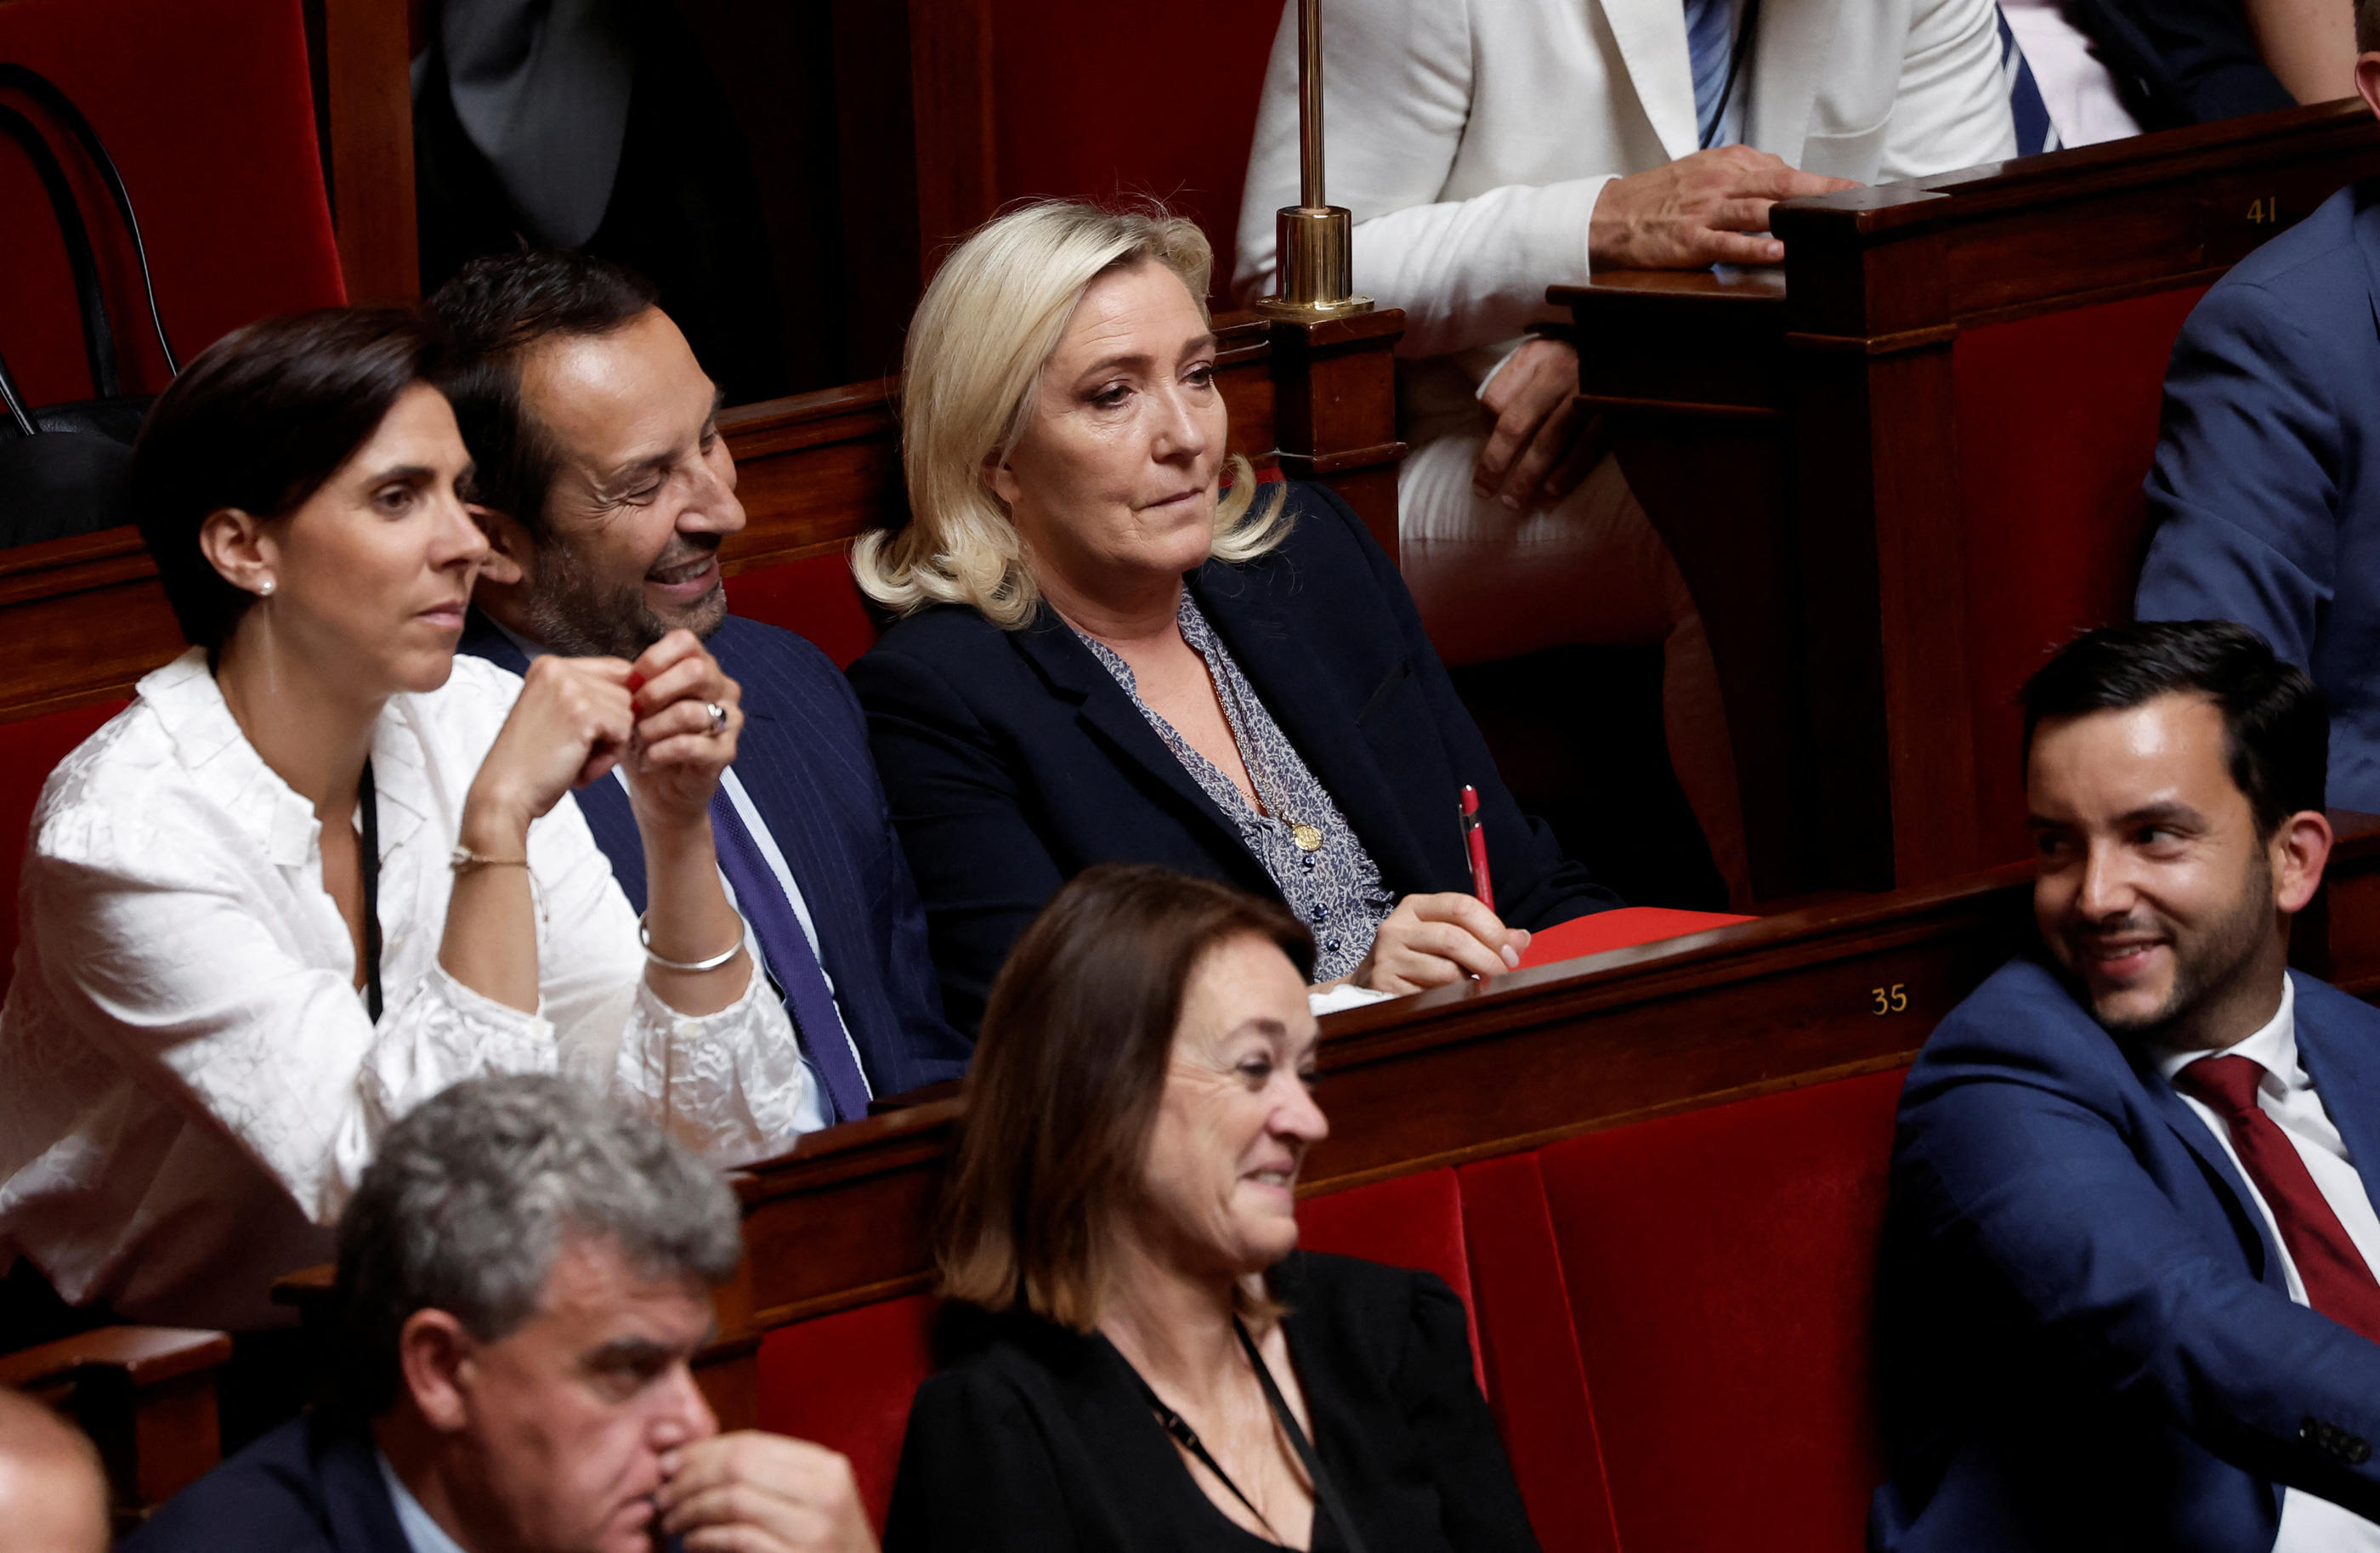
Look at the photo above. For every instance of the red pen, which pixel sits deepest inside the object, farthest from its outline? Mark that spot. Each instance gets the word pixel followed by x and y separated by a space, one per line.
pixel 1476 840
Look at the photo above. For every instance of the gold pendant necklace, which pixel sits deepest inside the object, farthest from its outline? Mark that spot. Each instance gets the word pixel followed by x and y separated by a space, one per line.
pixel 1308 838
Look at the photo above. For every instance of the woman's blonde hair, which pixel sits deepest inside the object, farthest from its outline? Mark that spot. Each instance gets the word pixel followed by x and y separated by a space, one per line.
pixel 984 331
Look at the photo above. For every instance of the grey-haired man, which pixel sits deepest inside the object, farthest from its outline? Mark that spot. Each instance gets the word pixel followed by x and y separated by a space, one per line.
pixel 524 1275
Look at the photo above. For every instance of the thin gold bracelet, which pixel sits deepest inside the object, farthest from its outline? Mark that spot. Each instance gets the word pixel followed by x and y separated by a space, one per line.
pixel 688 968
pixel 463 860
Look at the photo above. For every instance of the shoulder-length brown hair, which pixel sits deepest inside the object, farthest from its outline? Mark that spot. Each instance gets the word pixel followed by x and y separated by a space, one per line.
pixel 1066 1080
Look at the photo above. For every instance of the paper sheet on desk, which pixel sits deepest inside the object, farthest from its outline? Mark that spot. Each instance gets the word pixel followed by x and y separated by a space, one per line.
pixel 1618 930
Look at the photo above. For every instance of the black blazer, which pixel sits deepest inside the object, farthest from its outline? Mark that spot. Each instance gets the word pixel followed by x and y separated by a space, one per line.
pixel 310 1485
pixel 1014 760
pixel 803 760
pixel 1039 1440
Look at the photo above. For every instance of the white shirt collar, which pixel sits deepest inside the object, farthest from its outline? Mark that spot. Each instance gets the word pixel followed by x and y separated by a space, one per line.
pixel 190 705
pixel 422 1533
pixel 2273 1048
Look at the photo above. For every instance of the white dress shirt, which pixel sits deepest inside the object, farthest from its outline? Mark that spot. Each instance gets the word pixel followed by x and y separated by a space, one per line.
pixel 194 1085
pixel 422 1533
pixel 2309 1524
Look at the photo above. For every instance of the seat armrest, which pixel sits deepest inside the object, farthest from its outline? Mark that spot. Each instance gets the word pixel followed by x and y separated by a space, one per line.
pixel 146 1397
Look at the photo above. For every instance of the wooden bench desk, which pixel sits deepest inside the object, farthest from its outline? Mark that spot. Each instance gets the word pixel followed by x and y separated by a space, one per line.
pixel 1896 471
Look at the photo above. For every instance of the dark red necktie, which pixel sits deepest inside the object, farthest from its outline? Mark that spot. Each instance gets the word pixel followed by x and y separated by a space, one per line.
pixel 2338 1283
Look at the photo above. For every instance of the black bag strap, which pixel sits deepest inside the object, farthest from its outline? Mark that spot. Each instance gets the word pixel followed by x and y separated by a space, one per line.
pixel 59 106
pixel 1325 1491
pixel 98 338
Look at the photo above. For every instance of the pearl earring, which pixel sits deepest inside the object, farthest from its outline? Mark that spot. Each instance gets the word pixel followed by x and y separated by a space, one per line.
pixel 265 591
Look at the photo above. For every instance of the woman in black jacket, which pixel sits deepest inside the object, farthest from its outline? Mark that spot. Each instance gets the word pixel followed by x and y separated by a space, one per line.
pixel 1157 1367
pixel 1108 655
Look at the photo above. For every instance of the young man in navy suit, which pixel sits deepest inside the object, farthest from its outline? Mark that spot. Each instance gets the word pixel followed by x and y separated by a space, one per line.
pixel 2265 493
pixel 606 491
pixel 525 1275
pixel 2128 1296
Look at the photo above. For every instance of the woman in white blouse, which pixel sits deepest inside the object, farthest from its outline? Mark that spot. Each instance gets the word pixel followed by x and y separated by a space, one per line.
pixel 220 1002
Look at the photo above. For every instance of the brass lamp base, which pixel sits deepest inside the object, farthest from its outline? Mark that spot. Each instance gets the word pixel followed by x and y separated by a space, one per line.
pixel 1317 266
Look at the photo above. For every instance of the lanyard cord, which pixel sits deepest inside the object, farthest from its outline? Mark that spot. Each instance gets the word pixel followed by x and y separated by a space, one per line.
pixel 1325 1494
pixel 368 809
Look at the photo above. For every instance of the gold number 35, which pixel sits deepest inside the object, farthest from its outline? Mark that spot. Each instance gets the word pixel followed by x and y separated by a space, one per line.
pixel 1892 999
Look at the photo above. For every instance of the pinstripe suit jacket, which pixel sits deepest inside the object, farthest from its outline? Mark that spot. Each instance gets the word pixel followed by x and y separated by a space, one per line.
pixel 804 760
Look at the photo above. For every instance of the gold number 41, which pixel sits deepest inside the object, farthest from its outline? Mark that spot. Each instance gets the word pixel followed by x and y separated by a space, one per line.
pixel 2266 211
pixel 1891 999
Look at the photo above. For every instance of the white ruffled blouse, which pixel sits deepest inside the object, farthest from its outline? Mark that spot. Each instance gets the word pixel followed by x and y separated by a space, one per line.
pixel 189 1084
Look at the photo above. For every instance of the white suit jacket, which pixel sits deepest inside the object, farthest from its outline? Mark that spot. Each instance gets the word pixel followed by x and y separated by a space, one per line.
pixel 1471 137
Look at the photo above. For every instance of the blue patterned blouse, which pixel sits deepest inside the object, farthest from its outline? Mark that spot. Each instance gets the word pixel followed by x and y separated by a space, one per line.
pixel 1315 861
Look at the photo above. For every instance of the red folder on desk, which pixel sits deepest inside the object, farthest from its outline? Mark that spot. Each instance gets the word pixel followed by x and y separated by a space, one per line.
pixel 1618 930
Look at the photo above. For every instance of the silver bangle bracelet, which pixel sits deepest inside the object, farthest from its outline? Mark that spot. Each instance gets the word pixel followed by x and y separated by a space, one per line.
pixel 689 967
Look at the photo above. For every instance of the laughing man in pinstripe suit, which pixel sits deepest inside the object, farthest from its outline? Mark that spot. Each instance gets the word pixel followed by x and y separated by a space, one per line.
pixel 606 491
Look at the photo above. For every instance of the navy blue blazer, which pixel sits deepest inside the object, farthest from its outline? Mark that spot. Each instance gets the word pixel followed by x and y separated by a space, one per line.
pixel 2177 62
pixel 2087 1340
pixel 803 759
pixel 310 1485
pixel 1014 760
pixel 2265 493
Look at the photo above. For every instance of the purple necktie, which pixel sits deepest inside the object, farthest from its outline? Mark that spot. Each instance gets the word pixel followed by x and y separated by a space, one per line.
pixel 791 961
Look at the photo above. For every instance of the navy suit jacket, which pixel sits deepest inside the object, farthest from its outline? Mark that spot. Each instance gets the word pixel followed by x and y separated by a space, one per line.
pixel 310 1485
pixel 803 759
pixel 2087 1338
pixel 1014 760
pixel 2266 486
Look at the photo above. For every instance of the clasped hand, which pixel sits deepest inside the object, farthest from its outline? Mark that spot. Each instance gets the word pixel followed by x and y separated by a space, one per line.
pixel 577 717
pixel 1710 208
pixel 750 1492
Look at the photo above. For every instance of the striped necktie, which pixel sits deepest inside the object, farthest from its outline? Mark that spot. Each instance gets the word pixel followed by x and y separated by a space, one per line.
pixel 791 960
pixel 2035 133
pixel 1711 40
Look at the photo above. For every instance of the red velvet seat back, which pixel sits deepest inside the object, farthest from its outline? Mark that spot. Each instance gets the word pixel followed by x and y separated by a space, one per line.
pixel 1719 1268
pixel 2058 420
pixel 1074 83
pixel 208 108
pixel 814 598
pixel 846 1381
pixel 29 750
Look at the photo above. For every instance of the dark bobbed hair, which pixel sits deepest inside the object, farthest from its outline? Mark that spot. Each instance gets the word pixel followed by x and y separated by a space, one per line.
pixel 494 309
pixel 2275 724
pixel 258 422
pixel 2367 26
pixel 1066 1080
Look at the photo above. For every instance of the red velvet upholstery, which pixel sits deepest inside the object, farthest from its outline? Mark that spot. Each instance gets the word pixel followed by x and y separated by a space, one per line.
pixel 210 113
pixel 846 1380
pixel 1412 1222
pixel 1720 1270
pixel 1083 105
pixel 2058 420
pixel 28 751
pixel 1536 1383
pixel 815 597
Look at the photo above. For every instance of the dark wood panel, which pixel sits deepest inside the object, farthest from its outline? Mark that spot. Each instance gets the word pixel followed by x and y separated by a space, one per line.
pixel 368 44
pixel 1791 434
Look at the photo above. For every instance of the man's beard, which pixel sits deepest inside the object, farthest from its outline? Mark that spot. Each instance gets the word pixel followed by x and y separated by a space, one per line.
pixel 2206 961
pixel 569 613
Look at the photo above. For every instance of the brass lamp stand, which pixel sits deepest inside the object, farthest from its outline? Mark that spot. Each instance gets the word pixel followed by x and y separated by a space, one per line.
pixel 1312 251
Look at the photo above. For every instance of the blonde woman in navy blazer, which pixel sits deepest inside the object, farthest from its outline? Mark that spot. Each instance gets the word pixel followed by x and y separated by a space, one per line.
pixel 1108 654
